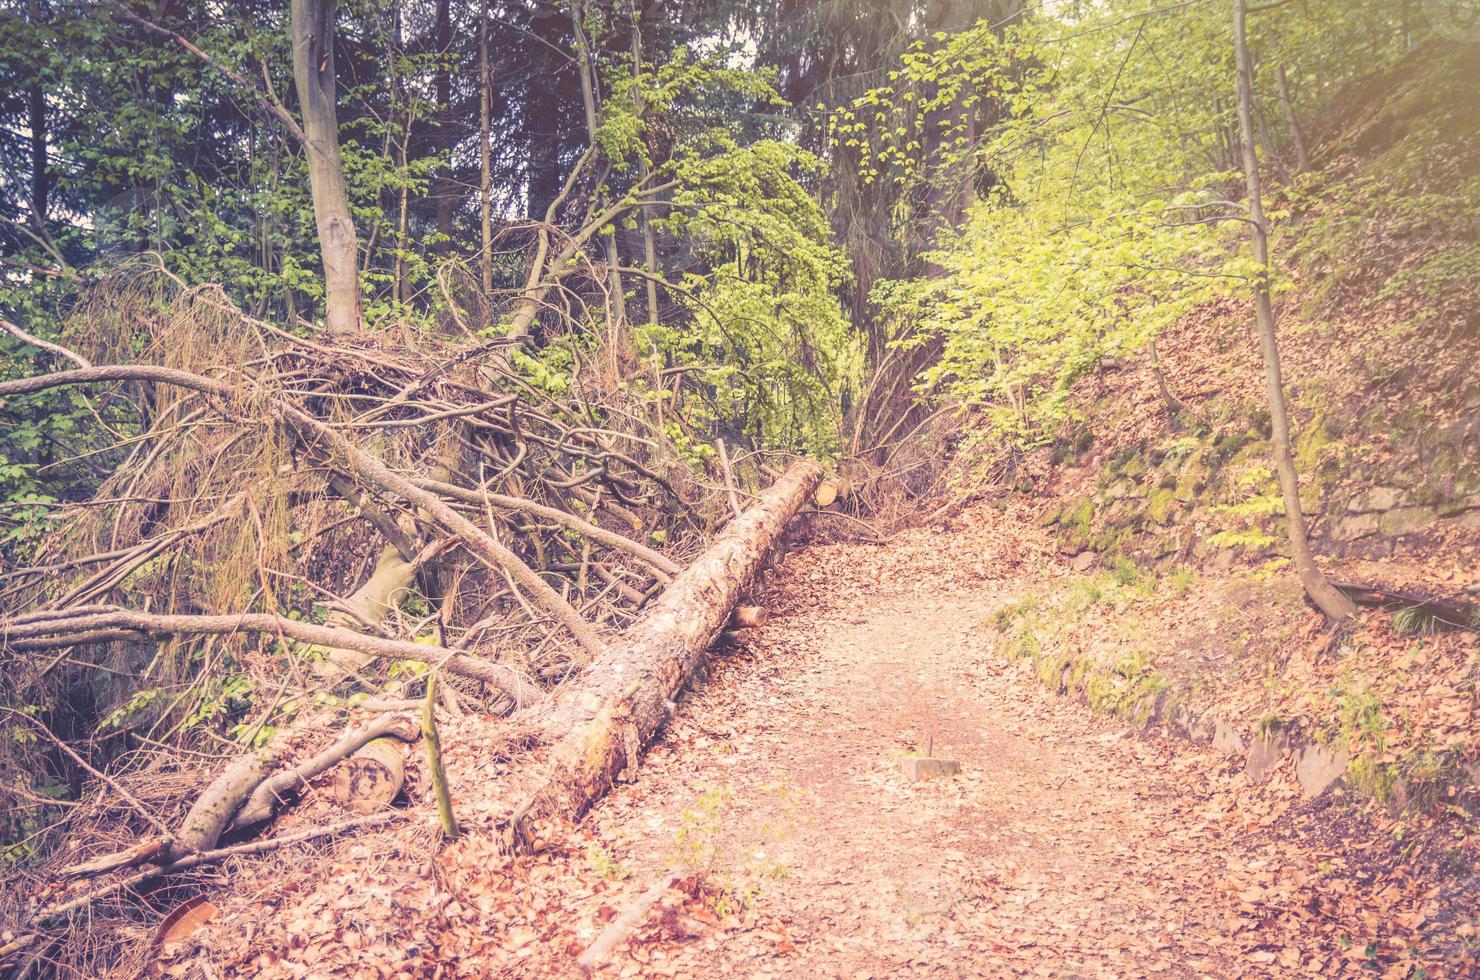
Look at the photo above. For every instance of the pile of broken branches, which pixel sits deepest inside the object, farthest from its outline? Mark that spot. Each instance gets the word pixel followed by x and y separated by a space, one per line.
pixel 330 521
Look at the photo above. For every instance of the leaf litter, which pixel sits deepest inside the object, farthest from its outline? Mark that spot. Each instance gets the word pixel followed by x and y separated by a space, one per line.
pixel 1069 845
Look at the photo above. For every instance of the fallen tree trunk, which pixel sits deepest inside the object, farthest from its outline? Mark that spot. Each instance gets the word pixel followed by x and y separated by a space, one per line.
pixel 599 727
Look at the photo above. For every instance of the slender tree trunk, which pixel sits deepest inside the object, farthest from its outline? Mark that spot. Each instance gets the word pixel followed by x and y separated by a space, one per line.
pixel 36 122
pixel 1261 118
pixel 485 184
pixel 313 74
pixel 1331 601
pixel 444 190
pixel 617 334
pixel 1174 407
pixel 40 172
pixel 644 170
pixel 401 287
pixel 1292 122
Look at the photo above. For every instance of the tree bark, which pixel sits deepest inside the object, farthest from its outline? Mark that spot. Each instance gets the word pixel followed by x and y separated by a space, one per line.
pixel 485 184
pixel 1292 122
pixel 339 247
pixel 1330 600
pixel 601 724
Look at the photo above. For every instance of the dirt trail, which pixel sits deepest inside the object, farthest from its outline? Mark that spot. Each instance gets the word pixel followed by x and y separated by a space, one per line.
pixel 1056 844
pixel 1069 845
pixel 1066 847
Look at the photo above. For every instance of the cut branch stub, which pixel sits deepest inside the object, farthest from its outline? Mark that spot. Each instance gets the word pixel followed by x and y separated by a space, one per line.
pixel 371 778
pixel 749 617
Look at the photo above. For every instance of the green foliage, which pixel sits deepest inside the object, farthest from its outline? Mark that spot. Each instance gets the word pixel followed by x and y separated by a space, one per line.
pixel 1125 572
pixel 1248 540
pixel 1084 594
pixel 1414 621
pixel 1003 618
pixel 1102 178
pixel 773 349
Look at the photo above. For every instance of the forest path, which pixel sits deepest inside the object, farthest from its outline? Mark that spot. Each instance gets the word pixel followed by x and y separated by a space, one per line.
pixel 1067 846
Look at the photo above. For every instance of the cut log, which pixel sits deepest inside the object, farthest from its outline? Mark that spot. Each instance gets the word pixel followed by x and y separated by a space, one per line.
pixel 626 694
pixel 266 797
pixel 371 778
pixel 749 617
pixel 826 493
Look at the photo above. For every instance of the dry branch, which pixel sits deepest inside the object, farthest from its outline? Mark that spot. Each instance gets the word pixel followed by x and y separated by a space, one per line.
pixel 364 465
pixel 619 928
pixel 68 629
pixel 598 534
pixel 62 911
pixel 265 798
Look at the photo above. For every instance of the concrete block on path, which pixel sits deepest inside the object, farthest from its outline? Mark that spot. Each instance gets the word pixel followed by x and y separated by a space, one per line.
pixel 918 767
pixel 1319 767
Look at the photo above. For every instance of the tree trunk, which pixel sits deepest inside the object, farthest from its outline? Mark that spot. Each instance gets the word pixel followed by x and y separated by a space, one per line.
pixel 485 183
pixel 1331 601
pixel 626 694
pixel 1174 407
pixel 313 75
pixel 367 606
pixel 644 170
pixel 36 122
pixel 617 315
pixel 1292 122
pixel 40 174
pixel 444 187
